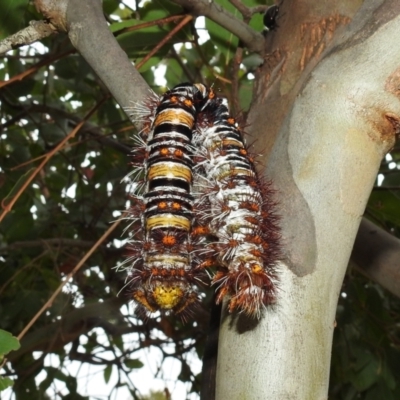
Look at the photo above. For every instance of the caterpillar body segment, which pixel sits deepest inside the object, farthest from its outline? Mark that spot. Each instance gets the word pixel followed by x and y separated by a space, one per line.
pixel 241 214
pixel 164 276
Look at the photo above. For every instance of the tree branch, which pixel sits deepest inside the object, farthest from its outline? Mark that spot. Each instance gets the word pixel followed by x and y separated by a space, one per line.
pixel 248 12
pixel 59 242
pixel 376 254
pixel 36 30
pixel 90 35
pixel 254 41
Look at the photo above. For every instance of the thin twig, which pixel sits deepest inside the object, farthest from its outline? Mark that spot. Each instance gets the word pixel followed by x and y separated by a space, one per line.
pixel 207 64
pixel 160 21
pixel 184 67
pixel 253 40
pixel 186 20
pixel 35 68
pixel 248 12
pixel 69 276
pixel 7 207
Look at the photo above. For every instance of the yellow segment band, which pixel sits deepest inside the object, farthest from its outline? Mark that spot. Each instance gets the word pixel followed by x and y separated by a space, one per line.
pixel 236 171
pixel 169 170
pixel 168 221
pixel 174 116
pixel 168 260
pixel 242 171
pixel 226 142
pixel 232 142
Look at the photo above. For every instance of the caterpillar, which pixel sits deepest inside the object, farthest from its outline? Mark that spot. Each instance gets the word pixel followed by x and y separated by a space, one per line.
pixel 201 204
pixel 239 211
pixel 162 260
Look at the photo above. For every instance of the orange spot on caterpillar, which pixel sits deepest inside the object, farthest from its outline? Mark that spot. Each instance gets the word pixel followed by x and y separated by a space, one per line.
pixel 252 220
pixel 207 263
pixel 223 291
pixel 231 184
pixel 200 230
pixel 146 245
pixel 256 239
pixel 265 214
pixel 169 240
pixel 176 206
pixel 188 102
pixel 232 243
pixel 256 253
pixel 249 205
pixel 178 153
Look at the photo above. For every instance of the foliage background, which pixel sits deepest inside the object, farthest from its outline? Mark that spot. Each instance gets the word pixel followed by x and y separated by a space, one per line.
pixel 46 90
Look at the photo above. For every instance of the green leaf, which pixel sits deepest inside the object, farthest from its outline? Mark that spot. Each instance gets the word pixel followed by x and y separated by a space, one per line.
pixel 18 186
pixel 365 373
pixel 110 5
pixel 107 373
pixel 5 383
pixel 133 364
pixel 385 206
pixel 12 16
pixel 225 41
pixel 8 342
pixel 245 95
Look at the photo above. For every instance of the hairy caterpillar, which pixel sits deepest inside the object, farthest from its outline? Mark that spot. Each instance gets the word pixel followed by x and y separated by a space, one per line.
pixel 190 140
pixel 239 211
pixel 162 260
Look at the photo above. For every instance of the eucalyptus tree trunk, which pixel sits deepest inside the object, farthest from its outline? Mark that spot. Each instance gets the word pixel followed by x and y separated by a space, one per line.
pixel 342 114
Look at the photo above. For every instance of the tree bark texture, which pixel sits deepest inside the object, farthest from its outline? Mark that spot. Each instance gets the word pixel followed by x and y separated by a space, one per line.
pixel 341 122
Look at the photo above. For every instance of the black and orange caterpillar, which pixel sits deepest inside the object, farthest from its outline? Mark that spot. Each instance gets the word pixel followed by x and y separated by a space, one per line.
pixel 162 260
pixel 227 221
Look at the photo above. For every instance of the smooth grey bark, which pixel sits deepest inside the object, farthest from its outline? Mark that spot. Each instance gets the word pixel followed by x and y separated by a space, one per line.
pixel 324 163
pixel 89 33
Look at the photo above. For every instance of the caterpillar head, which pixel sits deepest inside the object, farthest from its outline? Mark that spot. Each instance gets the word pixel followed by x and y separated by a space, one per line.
pixel 170 294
